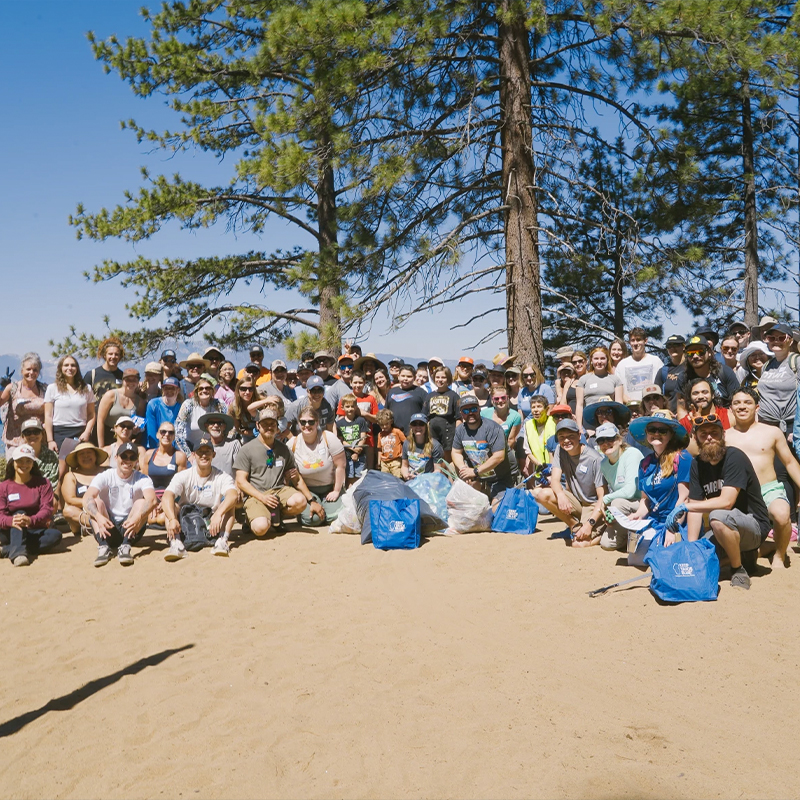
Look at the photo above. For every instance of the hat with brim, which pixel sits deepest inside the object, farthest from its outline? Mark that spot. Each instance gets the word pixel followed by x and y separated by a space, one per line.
pixel 206 418
pixel 323 355
pixel 195 358
pixel 622 413
pixel 100 455
pixel 638 428
pixel 756 347
pixel 360 361
pixel 212 351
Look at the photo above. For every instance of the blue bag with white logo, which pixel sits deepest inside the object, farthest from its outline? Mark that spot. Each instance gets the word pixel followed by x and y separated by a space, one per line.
pixel 395 524
pixel 684 572
pixel 518 512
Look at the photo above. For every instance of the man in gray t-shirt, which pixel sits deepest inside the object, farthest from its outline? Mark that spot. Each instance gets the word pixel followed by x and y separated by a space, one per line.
pixel 580 504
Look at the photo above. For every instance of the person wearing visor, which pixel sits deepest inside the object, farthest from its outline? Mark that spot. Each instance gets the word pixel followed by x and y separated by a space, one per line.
pixel 118 502
pixel 199 506
pixel 579 502
pixel 260 373
pixel 265 468
pixel 479 452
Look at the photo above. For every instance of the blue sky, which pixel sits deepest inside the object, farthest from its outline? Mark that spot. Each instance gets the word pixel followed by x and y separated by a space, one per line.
pixel 62 144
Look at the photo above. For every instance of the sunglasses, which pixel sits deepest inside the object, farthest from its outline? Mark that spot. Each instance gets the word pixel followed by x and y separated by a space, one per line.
pixel 128 457
pixel 168 360
pixel 346 367
pixel 470 410
pixel 658 430
pixel 307 423
pixel 578 360
pixel 528 375
pixel 204 390
pixel 316 390
pixel 30 434
pixel 418 424
pixel 758 357
pixel 699 420
pixel 776 337
pixel 167 433
pixel 693 353
pixel 606 440
pixel 270 460
pixel 730 349
pixel 246 388
pixel 503 397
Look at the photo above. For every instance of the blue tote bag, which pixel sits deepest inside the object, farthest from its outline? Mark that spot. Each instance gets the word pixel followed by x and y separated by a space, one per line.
pixel 684 572
pixel 518 512
pixel 396 524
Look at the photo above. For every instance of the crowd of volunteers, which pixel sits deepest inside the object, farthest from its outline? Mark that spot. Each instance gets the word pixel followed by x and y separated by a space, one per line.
pixel 699 442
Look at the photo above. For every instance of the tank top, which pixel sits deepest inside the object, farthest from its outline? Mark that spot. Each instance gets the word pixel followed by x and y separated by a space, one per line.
pixel 21 409
pixel 117 410
pixel 161 475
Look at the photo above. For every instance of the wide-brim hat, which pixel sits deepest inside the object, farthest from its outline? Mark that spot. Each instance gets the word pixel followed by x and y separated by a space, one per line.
pixel 638 428
pixel 100 455
pixel 756 347
pixel 195 358
pixel 325 356
pixel 359 362
pixel 226 418
pixel 622 414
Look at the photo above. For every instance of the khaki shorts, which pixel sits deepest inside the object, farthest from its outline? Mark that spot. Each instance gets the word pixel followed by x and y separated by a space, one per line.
pixel 583 513
pixel 253 509
pixel 392 467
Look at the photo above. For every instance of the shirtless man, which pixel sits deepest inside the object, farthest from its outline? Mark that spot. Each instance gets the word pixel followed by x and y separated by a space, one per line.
pixel 762 444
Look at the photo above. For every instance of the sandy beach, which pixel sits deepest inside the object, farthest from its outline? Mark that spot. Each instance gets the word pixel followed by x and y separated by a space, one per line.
pixel 310 666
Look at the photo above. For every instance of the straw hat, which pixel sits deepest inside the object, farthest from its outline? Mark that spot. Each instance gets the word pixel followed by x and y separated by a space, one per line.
pixel 100 455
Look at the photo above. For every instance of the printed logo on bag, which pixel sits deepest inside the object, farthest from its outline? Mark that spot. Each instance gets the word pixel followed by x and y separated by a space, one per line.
pixel 683 570
pixel 512 514
pixel 396 526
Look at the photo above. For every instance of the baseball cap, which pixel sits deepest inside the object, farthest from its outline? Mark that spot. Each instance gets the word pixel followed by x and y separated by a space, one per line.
pixel 675 339
pixel 124 421
pixel 31 424
pixel 323 355
pixel 127 447
pixel 418 418
pixel 697 342
pixel 277 364
pixel 23 451
pixel 651 390
pixel 560 408
pixel 268 413
pixel 303 367
pixel 501 368
pixel 396 361
pixel 466 360
pixel 170 382
pixel 257 348
pixel 435 360
pixel 168 354
pixel 153 367
pixel 205 441
pixel 778 327
pixel 213 351
pixel 346 357
pixel 251 367
pixel 468 400
pixel 736 325
pixel 707 331
pixel 567 425
pixel 608 430
pixel 315 382
pixel 131 373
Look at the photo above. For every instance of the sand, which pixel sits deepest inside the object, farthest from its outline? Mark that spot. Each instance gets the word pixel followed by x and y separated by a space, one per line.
pixel 310 666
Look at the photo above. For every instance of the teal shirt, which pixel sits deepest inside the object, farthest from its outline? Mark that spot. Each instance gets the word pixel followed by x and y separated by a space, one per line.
pixel 621 477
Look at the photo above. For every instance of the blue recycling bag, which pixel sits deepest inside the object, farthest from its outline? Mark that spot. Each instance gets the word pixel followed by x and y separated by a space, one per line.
pixel 518 512
pixel 395 524
pixel 684 572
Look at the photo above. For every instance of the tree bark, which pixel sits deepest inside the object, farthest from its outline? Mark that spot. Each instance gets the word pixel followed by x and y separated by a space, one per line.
pixel 751 263
pixel 523 290
pixel 328 273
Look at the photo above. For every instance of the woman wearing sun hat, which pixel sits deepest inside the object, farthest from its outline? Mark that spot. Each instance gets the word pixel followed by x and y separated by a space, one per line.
pixel 663 475
pixel 83 463
pixel 604 409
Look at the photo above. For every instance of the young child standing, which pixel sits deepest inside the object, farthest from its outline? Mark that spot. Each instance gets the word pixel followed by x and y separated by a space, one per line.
pixel 420 452
pixel 353 430
pixel 390 444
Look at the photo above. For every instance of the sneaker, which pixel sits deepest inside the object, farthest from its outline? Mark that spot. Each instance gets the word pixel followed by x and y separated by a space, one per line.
pixel 103 555
pixel 21 561
pixel 176 551
pixel 221 548
pixel 740 579
pixel 124 555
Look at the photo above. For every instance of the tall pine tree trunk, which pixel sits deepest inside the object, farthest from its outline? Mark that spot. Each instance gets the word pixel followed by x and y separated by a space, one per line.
pixel 750 225
pixel 523 291
pixel 329 274
pixel 619 284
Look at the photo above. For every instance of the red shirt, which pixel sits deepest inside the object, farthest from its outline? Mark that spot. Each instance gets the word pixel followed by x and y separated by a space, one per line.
pixel 722 413
pixel 34 498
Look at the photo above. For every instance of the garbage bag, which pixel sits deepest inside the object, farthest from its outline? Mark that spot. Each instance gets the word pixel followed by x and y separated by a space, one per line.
pixel 433 488
pixel 468 509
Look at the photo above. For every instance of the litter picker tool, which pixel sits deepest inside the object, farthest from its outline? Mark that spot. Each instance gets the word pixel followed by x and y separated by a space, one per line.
pixel 604 589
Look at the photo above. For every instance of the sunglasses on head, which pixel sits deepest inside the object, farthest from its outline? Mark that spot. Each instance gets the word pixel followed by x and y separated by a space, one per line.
pixel 699 420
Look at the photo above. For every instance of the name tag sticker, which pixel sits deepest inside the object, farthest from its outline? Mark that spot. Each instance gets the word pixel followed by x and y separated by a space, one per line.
pixel 172 467
pixel 13 497
pixel 279 462
pixel 583 468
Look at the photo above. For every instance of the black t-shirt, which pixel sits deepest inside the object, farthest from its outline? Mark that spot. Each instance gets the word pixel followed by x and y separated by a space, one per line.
pixel 724 385
pixel 442 404
pixel 351 431
pixel 707 480
pixel 670 379
pixel 101 380
pixel 325 411
pixel 404 403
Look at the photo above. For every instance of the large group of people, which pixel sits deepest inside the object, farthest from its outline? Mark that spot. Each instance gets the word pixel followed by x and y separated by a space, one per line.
pixel 699 443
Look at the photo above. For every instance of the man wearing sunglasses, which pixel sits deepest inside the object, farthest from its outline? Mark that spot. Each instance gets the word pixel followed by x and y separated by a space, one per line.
pixel 479 451
pixel 700 400
pixel 724 486
pixel 337 390
pixel 118 502
pixel 700 363
pixel 277 383
pixel 263 468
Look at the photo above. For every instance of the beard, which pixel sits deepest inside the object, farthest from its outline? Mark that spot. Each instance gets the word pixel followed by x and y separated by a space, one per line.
pixel 712 451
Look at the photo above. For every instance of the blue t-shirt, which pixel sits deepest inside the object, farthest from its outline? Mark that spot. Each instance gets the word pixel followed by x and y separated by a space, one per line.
pixel 662 493
pixel 525 394
pixel 511 420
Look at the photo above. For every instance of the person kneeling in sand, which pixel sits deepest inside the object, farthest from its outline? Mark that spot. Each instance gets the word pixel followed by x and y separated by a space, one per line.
pixel 762 444
pixel 262 467
pixel 118 502
pixel 580 505
pixel 207 497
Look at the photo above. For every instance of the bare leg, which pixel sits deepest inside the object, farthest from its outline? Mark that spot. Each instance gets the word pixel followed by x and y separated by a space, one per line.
pixel 547 498
pixel 781 531
pixel 260 526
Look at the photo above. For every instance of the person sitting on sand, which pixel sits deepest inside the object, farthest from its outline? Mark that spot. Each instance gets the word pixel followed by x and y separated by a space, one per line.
pixel 763 444
pixel 118 502
pixel 262 468
pixel 206 499
pixel 83 464
pixel 724 485
pixel 579 504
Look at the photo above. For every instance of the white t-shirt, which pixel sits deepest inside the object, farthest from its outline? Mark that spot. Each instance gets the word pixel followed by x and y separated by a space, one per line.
pixel 635 375
pixel 119 494
pixel 316 465
pixel 189 487
pixel 69 408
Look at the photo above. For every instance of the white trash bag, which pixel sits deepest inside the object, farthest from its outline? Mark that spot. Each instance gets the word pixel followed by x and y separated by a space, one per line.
pixel 468 510
pixel 347 520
